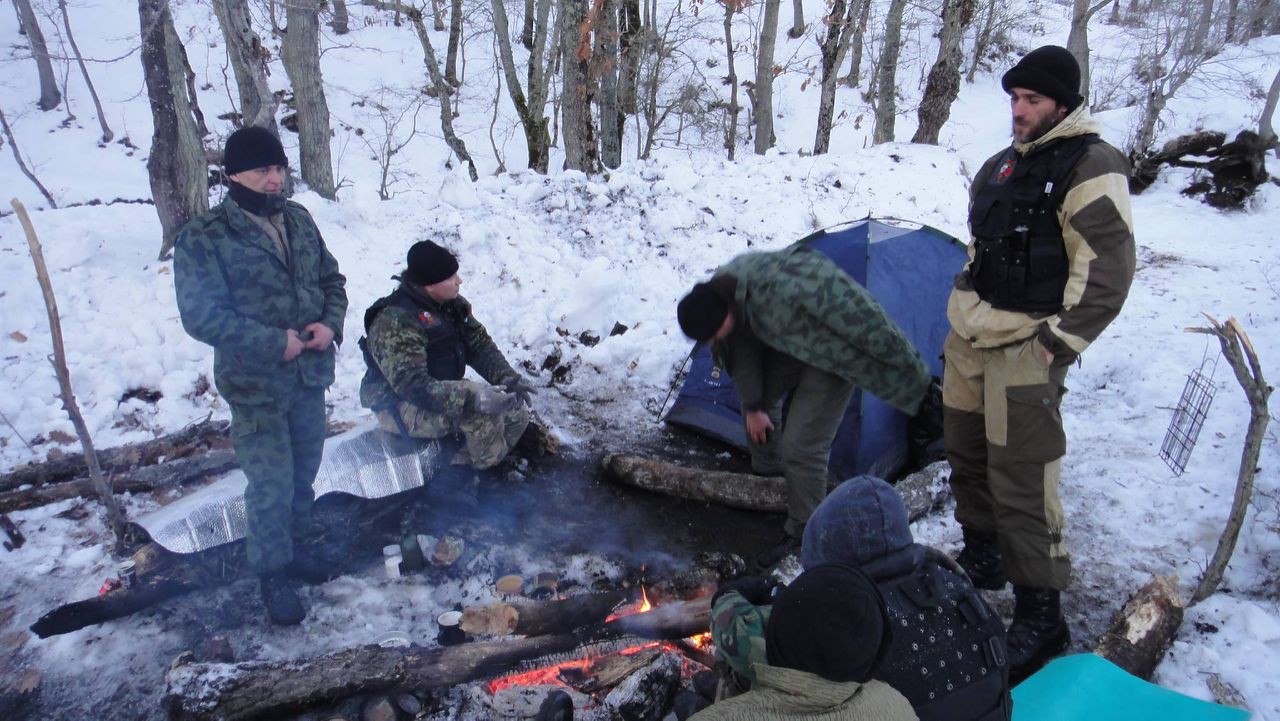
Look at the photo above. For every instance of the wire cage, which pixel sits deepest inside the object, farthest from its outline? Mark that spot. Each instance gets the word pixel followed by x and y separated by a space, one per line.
pixel 1188 418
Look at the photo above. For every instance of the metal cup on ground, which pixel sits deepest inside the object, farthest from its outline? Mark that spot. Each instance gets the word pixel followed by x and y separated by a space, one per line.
pixel 127 572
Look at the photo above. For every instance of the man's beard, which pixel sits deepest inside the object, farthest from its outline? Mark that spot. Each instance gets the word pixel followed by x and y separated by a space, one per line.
pixel 1038 130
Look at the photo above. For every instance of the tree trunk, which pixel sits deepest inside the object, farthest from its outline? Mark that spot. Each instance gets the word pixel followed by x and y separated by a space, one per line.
pixel 143 480
pixel 605 61
pixel 982 39
pixel 1265 128
pixel 859 42
pixel 1144 628
pixel 841 26
pixel 731 133
pixel 887 76
pixel 341 20
pixel 526 31
pixel 50 98
pixel 577 93
pixel 531 109
pixel 300 52
pixel 455 39
pixel 176 165
pixel 797 19
pixel 1078 38
pixel 107 135
pixel 247 56
pixel 632 50
pixel 764 77
pixel 943 84
pixel 534 618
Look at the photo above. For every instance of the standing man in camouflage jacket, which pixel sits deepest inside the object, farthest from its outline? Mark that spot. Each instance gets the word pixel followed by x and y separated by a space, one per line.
pixel 255 281
pixel 419 342
pixel 1050 266
pixel 793 322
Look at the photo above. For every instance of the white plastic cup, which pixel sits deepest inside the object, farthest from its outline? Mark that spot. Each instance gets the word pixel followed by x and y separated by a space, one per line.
pixel 391 559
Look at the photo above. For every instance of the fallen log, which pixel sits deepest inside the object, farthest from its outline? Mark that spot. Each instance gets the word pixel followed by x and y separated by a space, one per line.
pixel 1143 629
pixel 190 440
pixel 541 618
pixel 145 479
pixel 922 491
pixel 668 622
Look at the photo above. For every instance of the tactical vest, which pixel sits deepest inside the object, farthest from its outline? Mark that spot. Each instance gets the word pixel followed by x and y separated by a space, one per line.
pixel 1020 261
pixel 948 657
pixel 446 351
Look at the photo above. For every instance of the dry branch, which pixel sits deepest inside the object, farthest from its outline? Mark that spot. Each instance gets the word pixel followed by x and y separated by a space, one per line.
pixel 1143 629
pixel 22 164
pixel 107 135
pixel 115 516
pixel 1244 362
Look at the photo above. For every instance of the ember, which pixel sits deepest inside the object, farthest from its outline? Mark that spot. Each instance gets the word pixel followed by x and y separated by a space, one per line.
pixel 560 673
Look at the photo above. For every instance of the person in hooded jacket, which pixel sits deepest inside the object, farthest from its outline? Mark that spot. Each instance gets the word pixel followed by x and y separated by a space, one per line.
pixel 947 655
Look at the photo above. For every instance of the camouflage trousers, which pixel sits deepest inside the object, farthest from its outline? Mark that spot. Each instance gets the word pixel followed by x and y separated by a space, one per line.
pixel 488 438
pixel 1005 442
pixel 799 447
pixel 278 446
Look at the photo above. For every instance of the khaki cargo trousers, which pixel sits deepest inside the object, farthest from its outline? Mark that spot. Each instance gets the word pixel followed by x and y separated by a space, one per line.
pixel 488 438
pixel 1004 438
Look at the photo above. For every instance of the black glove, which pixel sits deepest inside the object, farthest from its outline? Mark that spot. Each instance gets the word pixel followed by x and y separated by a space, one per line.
pixel 520 389
pixel 490 400
pixel 757 590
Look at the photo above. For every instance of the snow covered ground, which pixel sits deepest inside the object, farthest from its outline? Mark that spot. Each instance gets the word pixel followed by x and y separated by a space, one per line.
pixel 547 259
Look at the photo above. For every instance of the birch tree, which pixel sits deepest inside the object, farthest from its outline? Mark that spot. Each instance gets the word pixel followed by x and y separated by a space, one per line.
pixel 887 74
pixel 247 55
pixel 301 55
pixel 764 77
pixel 176 164
pixel 50 97
pixel 943 84
pixel 530 101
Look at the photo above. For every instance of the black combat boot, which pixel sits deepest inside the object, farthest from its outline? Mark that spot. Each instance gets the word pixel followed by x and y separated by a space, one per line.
pixel 980 559
pixel 1038 632
pixel 280 596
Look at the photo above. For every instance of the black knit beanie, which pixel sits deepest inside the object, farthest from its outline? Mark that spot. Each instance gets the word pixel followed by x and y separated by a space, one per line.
pixel 1050 70
pixel 702 311
pixel 250 148
pixel 428 264
pixel 832 622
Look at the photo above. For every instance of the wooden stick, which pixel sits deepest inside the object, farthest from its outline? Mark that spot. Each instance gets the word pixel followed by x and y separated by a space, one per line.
pixel 1143 629
pixel 1240 355
pixel 115 515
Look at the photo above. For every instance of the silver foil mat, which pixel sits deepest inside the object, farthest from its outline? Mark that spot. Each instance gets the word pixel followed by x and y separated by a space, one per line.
pixel 365 463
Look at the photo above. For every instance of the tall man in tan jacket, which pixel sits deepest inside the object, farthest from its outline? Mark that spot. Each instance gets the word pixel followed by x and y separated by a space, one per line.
pixel 1049 267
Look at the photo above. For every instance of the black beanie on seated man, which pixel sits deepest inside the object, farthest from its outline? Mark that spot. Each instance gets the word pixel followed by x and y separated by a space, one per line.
pixel 252 147
pixel 832 622
pixel 428 264
pixel 1050 70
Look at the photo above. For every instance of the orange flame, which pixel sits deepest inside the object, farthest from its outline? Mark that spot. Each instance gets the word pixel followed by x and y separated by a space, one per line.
pixel 642 607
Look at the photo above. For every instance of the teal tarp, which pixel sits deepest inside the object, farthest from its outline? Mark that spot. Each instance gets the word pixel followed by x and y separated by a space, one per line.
pixel 1086 687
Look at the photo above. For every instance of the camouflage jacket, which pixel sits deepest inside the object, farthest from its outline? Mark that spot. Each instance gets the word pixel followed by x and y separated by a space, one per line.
pixel 783 694
pixel 238 295
pixel 798 302
pixel 397 344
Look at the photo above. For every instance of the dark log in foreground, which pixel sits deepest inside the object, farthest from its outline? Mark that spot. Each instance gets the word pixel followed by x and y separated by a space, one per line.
pixel 540 618
pixel 190 440
pixel 922 491
pixel 142 480
pixel 259 689
pixel 1143 629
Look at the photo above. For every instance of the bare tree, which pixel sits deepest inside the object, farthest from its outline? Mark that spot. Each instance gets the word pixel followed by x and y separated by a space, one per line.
pixel 248 57
pixel 455 38
pixel 437 14
pixel 1266 131
pixel 842 24
pixel 1078 40
pixel 943 84
pixel 176 165
pixel 887 75
pixel 22 164
pixel 605 69
pixel 763 109
pixel 731 132
pixel 340 23
pixel 50 98
pixel 526 28
pixel 988 10
pixel 530 106
pixel 631 30
pixel 300 52
pixel 797 19
pixel 578 91
pixel 107 135
pixel 857 45
pixel 394 108
pixel 1169 55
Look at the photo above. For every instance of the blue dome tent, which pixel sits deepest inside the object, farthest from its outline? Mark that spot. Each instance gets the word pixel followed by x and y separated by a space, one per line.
pixel 909 269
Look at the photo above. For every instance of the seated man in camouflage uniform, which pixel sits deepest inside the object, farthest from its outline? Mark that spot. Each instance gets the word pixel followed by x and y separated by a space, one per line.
pixel 420 341
pixel 948 654
pixel 793 323
pixel 255 281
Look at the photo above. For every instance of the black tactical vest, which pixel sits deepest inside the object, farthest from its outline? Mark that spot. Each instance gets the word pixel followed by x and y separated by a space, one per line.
pixel 1020 261
pixel 446 351
pixel 948 656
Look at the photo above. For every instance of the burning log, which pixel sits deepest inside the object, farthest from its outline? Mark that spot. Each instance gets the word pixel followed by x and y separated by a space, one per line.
pixel 922 491
pixel 536 619
pixel 1143 629
pixel 670 621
